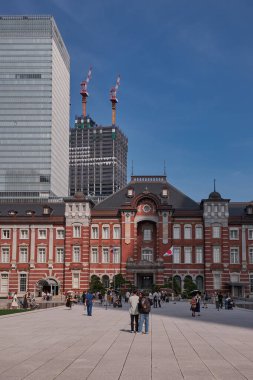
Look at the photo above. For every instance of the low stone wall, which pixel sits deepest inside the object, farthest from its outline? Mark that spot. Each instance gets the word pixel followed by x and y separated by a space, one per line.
pixel 248 306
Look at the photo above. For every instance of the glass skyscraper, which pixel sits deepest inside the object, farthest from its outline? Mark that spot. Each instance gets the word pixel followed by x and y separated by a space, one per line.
pixel 34 108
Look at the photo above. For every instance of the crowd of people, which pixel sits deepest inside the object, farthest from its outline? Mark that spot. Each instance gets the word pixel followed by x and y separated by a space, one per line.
pixel 217 298
pixel 26 302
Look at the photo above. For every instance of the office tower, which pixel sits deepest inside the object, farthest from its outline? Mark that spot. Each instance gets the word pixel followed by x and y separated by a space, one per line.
pixel 34 108
pixel 98 158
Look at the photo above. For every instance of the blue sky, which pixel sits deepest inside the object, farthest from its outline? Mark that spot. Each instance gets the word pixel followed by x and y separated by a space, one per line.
pixel 186 88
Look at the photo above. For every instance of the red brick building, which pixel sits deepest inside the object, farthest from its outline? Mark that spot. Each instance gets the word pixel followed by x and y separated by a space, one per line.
pixel 59 246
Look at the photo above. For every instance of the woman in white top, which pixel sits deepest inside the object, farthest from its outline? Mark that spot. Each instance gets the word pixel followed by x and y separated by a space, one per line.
pixel 14 303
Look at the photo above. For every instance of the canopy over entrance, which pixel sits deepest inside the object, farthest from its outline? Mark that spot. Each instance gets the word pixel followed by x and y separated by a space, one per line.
pixel 47 285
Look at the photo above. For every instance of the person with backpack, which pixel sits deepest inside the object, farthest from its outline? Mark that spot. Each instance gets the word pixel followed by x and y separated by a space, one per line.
pixel 144 310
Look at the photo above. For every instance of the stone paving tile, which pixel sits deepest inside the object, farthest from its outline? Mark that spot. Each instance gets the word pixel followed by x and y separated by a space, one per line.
pixel 66 344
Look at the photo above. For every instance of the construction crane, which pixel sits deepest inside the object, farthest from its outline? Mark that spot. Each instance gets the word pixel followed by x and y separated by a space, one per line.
pixel 114 100
pixel 84 92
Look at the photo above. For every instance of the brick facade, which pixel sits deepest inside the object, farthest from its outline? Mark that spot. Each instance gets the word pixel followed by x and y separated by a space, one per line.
pixel 60 247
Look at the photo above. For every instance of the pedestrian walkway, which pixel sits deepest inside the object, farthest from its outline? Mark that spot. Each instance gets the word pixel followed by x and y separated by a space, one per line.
pixel 67 344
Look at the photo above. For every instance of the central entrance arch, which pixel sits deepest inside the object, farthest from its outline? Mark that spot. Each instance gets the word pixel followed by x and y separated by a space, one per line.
pixel 47 285
pixel 145 280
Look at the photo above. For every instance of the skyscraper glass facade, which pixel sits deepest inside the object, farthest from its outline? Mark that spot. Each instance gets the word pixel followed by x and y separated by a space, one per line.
pixel 34 108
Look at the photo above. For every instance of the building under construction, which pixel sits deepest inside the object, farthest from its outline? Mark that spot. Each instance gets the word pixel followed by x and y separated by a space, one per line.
pixel 98 154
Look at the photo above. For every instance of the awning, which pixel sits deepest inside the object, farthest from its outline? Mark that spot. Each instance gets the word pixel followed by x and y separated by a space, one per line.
pixel 241 284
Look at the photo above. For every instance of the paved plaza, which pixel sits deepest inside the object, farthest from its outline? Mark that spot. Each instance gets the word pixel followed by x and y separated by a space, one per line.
pixel 67 344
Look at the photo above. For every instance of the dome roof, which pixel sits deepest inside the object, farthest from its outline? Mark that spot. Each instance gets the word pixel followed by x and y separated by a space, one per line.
pixel 214 195
pixel 79 195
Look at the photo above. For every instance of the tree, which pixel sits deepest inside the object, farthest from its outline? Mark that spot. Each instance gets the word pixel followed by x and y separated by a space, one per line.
pixel 189 286
pixel 117 281
pixel 175 286
pixel 96 284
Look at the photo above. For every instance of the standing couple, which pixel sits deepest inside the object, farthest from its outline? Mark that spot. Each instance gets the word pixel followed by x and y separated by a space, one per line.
pixel 139 312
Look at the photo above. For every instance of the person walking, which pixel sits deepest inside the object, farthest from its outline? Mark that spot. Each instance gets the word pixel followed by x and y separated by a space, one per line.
pixel 193 306
pixel 14 303
pixel 205 300
pixel 144 310
pixel 83 297
pixel 217 303
pixel 155 298
pixel 127 295
pixel 220 299
pixel 89 303
pixel 134 312
pixel 198 300
pixel 159 298
pixel 25 302
pixel 69 301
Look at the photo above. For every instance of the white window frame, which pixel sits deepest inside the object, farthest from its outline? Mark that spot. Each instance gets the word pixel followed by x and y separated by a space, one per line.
pixel 235 277
pixel 60 233
pixel 199 255
pixel 24 233
pixel 105 255
pixel 5 254
pixel 198 231
pixel 59 255
pixel 76 254
pixel 22 275
pixel 217 281
pixel 250 234
pixel 147 254
pixel 116 255
pixel 75 280
pixel 147 234
pixel 216 254
pixel 176 231
pixel 94 255
pixel 250 255
pixel 187 255
pixel 176 255
pixel 234 255
pixel 4 285
pixel 116 235
pixel 187 231
pixel 233 233
pixel 76 231
pixel 23 254
pixel 42 233
pixel 95 231
pixel 6 233
pixel 216 232
pixel 105 231
pixel 42 255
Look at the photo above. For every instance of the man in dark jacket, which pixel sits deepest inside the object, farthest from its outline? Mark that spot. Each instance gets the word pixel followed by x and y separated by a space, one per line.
pixel 89 301
pixel 144 310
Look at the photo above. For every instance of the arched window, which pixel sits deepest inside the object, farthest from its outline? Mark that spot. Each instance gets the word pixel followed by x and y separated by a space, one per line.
pixel 187 280
pixel 106 281
pixel 199 283
pixel 178 282
pixel 176 231
pixel 198 231
pixel 187 231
